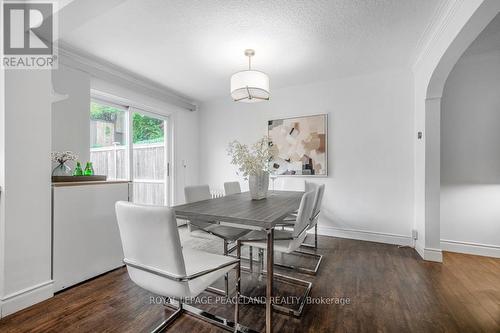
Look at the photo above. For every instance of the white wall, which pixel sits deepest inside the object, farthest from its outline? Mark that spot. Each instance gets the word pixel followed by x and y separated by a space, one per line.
pixel 369 190
pixel 470 156
pixel 2 183
pixel 70 116
pixel 25 220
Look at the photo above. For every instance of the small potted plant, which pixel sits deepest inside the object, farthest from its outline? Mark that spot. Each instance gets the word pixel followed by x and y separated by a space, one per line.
pixel 62 169
pixel 253 162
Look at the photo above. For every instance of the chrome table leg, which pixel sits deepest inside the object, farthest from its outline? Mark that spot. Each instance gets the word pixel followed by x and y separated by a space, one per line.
pixel 261 259
pixel 269 285
pixel 238 287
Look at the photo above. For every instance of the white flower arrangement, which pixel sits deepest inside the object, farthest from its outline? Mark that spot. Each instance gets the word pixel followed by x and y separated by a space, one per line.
pixel 253 160
pixel 63 157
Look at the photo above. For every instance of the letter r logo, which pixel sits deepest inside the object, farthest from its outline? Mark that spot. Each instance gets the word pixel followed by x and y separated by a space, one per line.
pixel 28 28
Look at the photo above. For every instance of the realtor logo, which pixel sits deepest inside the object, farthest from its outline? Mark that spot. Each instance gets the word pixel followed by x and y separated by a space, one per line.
pixel 28 35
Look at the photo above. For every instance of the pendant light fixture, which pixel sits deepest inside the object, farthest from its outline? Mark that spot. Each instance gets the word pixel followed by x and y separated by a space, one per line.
pixel 250 86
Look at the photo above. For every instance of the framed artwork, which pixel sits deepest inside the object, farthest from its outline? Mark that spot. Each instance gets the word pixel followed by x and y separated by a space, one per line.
pixel 299 145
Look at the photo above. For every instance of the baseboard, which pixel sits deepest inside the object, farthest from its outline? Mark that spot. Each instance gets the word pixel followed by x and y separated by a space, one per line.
pixel 428 253
pixel 370 236
pixel 431 254
pixel 479 249
pixel 26 297
pixel 420 249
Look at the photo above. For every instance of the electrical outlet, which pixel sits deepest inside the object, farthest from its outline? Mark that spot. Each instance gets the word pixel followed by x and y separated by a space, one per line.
pixel 414 234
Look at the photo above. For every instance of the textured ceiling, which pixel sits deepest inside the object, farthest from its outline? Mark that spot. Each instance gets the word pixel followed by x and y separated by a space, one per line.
pixel 194 46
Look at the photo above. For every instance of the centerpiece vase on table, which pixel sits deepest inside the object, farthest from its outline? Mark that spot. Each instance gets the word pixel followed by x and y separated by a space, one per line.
pixel 253 163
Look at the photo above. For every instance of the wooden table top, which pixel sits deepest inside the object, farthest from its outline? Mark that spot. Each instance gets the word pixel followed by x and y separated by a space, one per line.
pixel 239 209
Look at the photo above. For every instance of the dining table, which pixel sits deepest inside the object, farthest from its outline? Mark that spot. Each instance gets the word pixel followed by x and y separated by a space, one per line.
pixel 239 210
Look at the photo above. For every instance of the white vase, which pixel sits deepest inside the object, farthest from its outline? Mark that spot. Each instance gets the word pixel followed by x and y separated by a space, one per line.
pixel 259 184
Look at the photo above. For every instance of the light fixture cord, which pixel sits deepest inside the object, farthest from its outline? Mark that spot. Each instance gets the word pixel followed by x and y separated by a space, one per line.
pixel 249 62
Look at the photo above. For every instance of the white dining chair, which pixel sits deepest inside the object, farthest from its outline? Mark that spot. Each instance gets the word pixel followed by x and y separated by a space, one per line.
pixel 157 262
pixel 290 221
pixel 198 193
pixel 227 234
pixel 232 188
pixel 318 200
pixel 287 242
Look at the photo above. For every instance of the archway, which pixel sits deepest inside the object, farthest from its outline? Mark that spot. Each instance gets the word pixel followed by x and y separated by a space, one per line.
pixel 458 31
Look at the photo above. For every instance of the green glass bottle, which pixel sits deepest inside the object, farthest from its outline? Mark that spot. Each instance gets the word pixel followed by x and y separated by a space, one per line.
pixel 78 170
pixel 89 170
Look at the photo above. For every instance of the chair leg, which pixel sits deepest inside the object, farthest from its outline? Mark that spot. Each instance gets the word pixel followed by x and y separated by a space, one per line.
pixel 289 280
pixel 315 245
pixel 226 277
pixel 250 255
pixel 302 269
pixel 316 236
pixel 169 320
pixel 261 259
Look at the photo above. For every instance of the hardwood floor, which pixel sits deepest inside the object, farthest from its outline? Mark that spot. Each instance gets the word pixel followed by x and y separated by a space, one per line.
pixel 390 290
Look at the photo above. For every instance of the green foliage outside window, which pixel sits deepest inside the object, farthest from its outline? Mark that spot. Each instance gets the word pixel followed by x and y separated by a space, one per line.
pixel 103 112
pixel 145 129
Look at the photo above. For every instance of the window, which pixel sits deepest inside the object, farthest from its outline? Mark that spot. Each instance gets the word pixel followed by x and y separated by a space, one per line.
pixel 145 162
pixel 108 141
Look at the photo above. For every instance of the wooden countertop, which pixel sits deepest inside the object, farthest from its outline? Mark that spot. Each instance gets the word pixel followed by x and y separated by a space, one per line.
pixel 65 184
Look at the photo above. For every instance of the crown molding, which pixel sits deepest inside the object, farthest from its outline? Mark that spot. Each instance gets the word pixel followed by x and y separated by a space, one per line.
pixel 438 24
pixel 102 69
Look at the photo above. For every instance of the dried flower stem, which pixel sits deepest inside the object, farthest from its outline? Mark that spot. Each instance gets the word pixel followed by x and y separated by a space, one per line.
pixel 251 160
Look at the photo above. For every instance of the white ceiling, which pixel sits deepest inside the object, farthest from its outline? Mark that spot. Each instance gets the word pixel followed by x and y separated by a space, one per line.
pixel 193 47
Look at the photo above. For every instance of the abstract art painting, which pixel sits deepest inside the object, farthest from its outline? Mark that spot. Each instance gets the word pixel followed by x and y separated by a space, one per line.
pixel 299 145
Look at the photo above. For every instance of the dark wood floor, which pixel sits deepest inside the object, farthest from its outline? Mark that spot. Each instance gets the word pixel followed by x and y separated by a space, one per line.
pixel 390 290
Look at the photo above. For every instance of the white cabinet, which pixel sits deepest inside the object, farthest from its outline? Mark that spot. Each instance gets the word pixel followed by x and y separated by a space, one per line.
pixel 85 241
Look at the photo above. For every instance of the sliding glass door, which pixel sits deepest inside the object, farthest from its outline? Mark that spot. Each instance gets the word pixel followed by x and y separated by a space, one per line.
pixel 131 144
pixel 150 158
